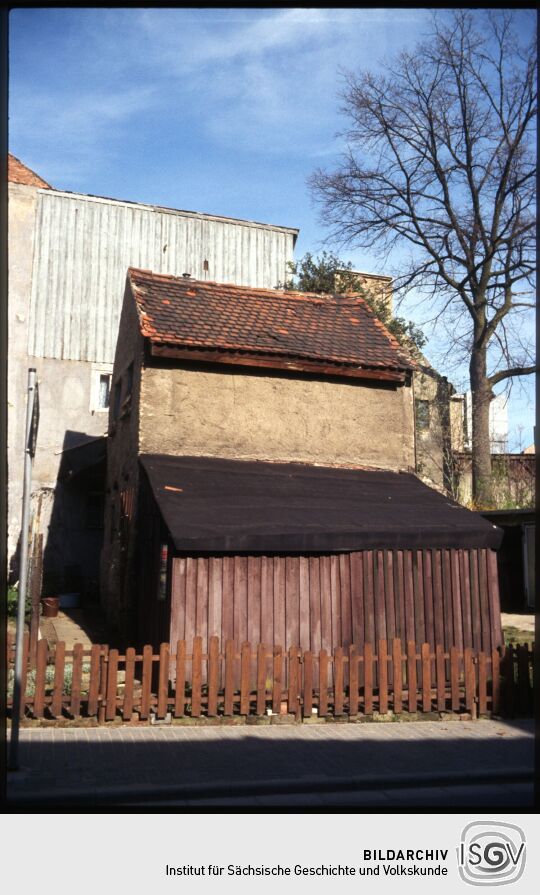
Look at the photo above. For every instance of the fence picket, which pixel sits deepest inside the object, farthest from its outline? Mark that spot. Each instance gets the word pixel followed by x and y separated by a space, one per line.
pixel 58 685
pixel 229 677
pixel 412 683
pixel 441 682
pixel 482 684
pixel 426 677
pixel 368 679
pixel 24 672
pixel 470 679
pixel 245 662
pixel 129 682
pixel 323 683
pixel 39 685
pixel 196 677
pixel 353 681
pixel 112 686
pixel 383 677
pixel 102 693
pixel 76 680
pixel 307 707
pixel 261 679
pixel 213 676
pixel 163 681
pixel 338 680
pixel 397 676
pixel 294 667
pixel 454 677
pixel 180 682
pixel 495 681
pixel 146 683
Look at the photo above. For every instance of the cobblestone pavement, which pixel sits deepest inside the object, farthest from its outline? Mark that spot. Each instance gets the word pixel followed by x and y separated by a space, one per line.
pixel 221 762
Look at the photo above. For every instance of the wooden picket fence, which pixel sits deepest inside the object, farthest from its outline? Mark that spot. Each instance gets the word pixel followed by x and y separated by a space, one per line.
pixel 260 681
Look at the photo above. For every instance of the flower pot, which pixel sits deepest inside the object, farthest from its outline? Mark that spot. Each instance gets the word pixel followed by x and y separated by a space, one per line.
pixel 51 606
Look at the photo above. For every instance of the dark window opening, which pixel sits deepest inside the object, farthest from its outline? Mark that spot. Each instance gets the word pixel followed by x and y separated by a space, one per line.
pixel 104 390
pixel 422 413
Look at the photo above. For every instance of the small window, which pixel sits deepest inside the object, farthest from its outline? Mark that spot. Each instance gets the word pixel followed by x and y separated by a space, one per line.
pixel 422 413
pixel 104 391
pixel 100 389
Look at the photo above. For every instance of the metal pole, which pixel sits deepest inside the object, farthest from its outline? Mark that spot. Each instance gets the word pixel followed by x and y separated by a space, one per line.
pixel 27 485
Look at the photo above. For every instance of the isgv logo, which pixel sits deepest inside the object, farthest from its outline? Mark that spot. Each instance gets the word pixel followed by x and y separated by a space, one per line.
pixel 491 853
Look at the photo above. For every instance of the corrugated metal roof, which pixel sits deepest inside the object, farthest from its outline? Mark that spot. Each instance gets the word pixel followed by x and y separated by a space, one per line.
pixel 84 246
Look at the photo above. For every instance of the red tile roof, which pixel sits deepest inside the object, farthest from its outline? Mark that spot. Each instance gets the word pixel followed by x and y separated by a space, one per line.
pixel 194 314
pixel 19 173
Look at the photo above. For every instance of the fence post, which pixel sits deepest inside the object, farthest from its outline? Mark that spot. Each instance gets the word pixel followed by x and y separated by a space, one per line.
pixel 102 683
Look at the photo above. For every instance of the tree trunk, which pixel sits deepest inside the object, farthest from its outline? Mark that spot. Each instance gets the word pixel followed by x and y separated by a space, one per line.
pixel 481 449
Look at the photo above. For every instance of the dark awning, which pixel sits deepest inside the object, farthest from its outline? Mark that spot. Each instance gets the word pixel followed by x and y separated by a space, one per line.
pixel 231 506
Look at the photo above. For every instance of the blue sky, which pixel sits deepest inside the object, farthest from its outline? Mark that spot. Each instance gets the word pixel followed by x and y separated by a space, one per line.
pixel 225 111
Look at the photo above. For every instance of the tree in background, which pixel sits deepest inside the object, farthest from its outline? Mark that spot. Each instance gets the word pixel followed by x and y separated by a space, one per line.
pixel 328 274
pixel 441 159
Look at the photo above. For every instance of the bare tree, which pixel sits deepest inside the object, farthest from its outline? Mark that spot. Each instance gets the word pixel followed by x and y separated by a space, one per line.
pixel 440 158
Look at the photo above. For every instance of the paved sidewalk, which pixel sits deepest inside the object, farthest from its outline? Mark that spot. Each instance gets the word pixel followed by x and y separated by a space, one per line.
pixel 96 764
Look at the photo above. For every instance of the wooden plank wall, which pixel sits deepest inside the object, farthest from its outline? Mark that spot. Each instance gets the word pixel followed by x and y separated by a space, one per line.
pixel 449 597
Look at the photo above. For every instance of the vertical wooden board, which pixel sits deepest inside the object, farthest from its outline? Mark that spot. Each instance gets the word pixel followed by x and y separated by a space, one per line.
pixel 357 598
pixel 380 605
pixel 409 595
pixel 58 691
pixel 304 609
pixel 428 597
pixel 383 676
pixel 346 598
pixel 368 679
pixel 418 597
pixel 163 680
pixel 180 682
pixel 426 677
pixel 475 601
pixel 39 683
pixel 465 591
pixel 338 681
pixel 112 684
pixel 261 679
pixel 397 669
pixel 495 681
pixel 447 599
pixel 267 599
pixel 412 681
pixel 76 679
pixel 292 600
pixel 227 610
pixel 335 590
pixel 178 599
pixel 482 684
pixel 213 676
pixel 314 604
pixel 470 678
pixel 323 683
pixel 484 602
pixel 307 702
pixel 196 677
pixel 215 595
pixel 102 691
pixel 245 662
pixel 353 681
pixel 389 595
pixel 326 603
pixel 438 605
pixel 277 675
pixel 191 599
pixel 279 601
pixel 146 687
pixel 454 677
pixel 494 599
pixel 441 677
pixel 201 611
pixel 369 597
pixel 399 593
pixel 254 599
pixel 294 681
pixel 456 600
pixel 240 599
pixel 129 679
pixel 229 677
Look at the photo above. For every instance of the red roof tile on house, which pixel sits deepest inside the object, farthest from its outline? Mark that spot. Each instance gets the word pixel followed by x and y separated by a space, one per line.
pixel 338 330
pixel 19 173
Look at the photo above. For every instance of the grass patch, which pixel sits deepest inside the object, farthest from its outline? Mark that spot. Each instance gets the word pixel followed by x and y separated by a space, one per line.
pixel 514 635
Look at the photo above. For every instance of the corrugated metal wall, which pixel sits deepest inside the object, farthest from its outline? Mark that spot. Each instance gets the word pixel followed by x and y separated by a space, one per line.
pixel 84 245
